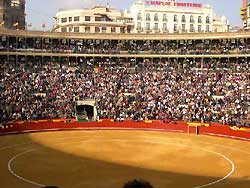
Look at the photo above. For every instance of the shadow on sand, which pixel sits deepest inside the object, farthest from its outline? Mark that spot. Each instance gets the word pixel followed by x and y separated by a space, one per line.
pixel 48 166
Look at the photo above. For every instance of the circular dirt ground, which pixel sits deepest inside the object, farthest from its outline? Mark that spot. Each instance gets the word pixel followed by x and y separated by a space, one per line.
pixel 107 159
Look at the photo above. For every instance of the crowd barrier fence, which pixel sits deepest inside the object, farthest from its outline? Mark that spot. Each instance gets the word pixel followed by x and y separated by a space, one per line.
pixel 212 129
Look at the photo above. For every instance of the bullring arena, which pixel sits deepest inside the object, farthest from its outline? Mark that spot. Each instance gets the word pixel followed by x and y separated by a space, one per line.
pixel 99 110
pixel 107 154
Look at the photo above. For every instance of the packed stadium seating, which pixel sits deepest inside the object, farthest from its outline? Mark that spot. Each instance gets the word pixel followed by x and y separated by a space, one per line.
pixel 188 89
pixel 97 46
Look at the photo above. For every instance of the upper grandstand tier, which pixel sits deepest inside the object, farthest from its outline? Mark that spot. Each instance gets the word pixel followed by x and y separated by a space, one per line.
pixel 127 36
pixel 126 45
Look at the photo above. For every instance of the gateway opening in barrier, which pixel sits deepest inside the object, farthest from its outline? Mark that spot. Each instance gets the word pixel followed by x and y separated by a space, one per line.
pixel 86 111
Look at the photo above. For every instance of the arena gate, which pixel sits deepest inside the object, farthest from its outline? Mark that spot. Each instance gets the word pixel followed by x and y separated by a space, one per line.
pixel 86 110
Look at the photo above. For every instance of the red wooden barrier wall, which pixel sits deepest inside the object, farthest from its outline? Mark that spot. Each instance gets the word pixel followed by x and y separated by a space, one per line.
pixel 56 125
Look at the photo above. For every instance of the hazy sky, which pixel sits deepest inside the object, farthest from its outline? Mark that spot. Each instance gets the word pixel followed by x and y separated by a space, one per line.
pixel 39 12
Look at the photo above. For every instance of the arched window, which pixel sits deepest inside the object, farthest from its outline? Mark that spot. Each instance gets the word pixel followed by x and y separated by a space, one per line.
pixel 156 19
pixel 199 19
pixel 165 27
pixel 175 18
pixel 191 28
pixel 139 16
pixel 183 18
pixel 164 17
pixel 147 17
pixel 207 20
pixel 207 28
pixel 175 28
pixel 191 19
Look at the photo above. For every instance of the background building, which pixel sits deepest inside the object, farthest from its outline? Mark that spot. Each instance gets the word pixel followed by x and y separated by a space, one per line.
pixel 12 14
pixel 96 20
pixel 174 17
pixel 143 17
pixel 248 15
pixel 220 24
pixel 243 13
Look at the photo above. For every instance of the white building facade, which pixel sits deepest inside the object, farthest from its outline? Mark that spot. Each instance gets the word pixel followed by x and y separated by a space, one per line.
pixel 220 24
pixel 143 16
pixel 96 20
pixel 152 16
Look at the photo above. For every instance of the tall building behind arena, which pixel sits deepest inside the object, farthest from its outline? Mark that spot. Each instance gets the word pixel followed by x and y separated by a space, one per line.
pixel 12 14
pixel 143 16
pixel 152 16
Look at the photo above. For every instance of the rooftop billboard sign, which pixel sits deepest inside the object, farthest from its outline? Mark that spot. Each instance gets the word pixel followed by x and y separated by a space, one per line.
pixel 177 4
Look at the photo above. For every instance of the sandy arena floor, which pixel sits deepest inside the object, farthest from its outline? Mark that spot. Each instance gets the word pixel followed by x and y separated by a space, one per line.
pixel 107 159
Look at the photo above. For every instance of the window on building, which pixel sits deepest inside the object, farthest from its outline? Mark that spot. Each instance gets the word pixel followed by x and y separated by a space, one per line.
pixel 70 19
pixel 104 29
pixel 76 29
pixel 156 18
pixel 105 19
pixel 63 20
pixel 175 18
pixel 191 19
pixel 139 16
pixel 183 27
pixel 113 29
pixel 191 28
pixel 70 29
pixel 139 26
pixel 87 29
pixel 175 28
pixel 77 19
pixel 129 29
pixel 156 27
pixel 87 18
pixel 165 18
pixel 183 18
pixel 207 20
pixel 64 29
pixel 165 27
pixel 147 26
pixel 207 28
pixel 147 17
pixel 97 29
pixel 199 28
pixel 129 20
pixel 98 19
pixel 122 29
pixel 199 19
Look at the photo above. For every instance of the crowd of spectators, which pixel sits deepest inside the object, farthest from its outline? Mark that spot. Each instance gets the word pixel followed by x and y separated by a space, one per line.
pixel 183 47
pixel 189 90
